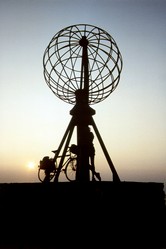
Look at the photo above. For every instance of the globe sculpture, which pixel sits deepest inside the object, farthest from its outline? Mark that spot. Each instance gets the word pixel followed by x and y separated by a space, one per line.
pixel 63 63
pixel 82 66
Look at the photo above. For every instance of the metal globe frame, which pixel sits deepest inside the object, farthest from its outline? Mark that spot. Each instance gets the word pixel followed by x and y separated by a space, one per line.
pixel 62 62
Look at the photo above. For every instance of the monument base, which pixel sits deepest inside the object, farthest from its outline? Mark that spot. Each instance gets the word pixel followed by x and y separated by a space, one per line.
pixel 83 216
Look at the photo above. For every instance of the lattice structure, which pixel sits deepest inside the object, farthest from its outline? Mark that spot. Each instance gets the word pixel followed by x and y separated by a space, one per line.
pixel 63 63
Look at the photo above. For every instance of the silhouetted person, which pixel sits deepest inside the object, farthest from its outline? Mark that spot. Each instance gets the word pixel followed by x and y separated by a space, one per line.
pixel 91 152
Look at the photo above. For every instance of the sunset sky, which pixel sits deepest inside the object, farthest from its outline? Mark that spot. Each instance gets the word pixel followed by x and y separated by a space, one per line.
pixel 131 121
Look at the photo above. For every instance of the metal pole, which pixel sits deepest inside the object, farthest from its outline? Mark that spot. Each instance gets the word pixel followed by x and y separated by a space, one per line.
pixel 115 174
pixel 67 135
pixel 82 117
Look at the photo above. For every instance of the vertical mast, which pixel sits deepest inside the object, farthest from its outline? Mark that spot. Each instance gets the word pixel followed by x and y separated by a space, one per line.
pixel 84 70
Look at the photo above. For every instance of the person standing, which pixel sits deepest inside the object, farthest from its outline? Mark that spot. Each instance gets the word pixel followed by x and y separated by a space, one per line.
pixel 89 137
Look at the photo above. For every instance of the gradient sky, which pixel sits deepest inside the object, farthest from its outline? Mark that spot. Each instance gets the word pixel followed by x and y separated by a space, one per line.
pixel 131 121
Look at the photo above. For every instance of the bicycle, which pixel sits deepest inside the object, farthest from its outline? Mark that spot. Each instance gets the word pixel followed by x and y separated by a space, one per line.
pixel 47 168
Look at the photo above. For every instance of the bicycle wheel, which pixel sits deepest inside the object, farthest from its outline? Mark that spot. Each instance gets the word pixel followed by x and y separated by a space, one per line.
pixel 70 169
pixel 42 175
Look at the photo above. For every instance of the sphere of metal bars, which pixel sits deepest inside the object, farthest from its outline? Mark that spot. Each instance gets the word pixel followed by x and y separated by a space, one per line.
pixel 62 62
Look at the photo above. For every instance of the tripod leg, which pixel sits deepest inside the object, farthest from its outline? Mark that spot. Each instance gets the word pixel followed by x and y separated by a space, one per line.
pixel 63 140
pixel 67 135
pixel 115 175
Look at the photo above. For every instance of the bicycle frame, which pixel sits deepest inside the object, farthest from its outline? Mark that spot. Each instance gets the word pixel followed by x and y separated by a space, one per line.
pixel 47 171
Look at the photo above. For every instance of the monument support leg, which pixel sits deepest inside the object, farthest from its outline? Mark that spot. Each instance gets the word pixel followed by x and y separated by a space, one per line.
pixel 115 175
pixel 67 135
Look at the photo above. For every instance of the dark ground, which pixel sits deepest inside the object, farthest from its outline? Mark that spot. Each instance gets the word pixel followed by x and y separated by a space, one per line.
pixel 72 215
